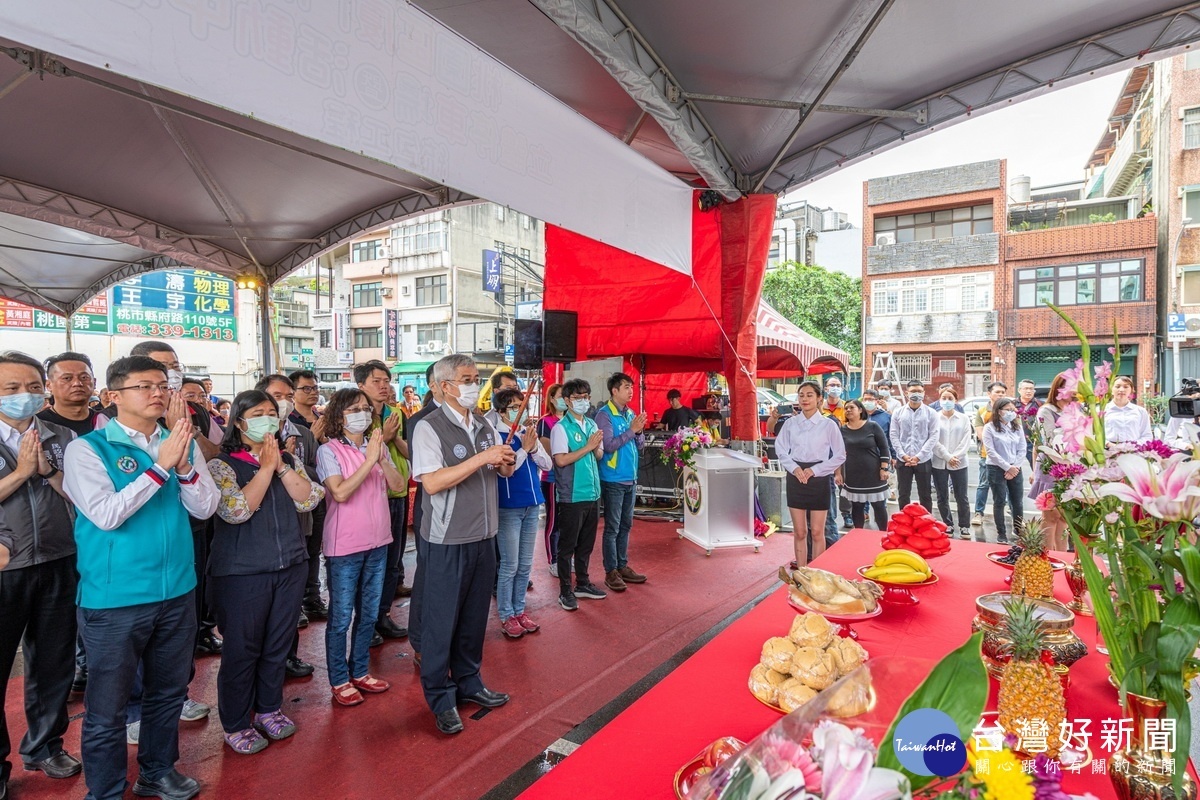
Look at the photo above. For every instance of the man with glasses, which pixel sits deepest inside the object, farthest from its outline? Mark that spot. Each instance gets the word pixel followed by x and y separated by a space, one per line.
pixel 134 485
pixel 576 447
pixel 456 457
pixel 308 394
pixel 71 383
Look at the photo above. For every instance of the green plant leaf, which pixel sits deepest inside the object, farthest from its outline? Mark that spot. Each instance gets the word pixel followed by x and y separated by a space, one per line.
pixel 1102 605
pixel 1178 642
pixel 958 685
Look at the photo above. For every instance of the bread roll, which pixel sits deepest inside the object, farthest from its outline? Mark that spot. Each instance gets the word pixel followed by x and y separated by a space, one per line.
pixel 777 654
pixel 850 699
pixel 793 694
pixel 813 667
pixel 765 683
pixel 847 654
pixel 811 630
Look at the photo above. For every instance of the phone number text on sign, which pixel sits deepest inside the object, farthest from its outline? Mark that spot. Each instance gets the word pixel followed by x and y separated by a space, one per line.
pixel 158 330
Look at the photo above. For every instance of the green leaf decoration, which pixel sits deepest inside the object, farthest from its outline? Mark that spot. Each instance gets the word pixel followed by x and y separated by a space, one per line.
pixel 958 685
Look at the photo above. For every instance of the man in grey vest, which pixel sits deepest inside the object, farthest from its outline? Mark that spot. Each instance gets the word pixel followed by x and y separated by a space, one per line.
pixel 457 455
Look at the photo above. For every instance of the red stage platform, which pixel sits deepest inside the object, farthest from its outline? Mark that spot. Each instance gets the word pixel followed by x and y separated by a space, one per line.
pixel 388 747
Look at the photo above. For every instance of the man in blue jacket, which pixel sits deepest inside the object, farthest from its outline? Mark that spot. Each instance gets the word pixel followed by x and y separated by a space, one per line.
pixel 623 443
pixel 134 483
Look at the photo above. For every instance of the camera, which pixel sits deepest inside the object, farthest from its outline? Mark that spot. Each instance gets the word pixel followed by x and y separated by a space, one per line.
pixel 1186 404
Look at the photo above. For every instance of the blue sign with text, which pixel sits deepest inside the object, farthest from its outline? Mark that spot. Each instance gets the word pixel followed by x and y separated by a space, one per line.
pixel 491 271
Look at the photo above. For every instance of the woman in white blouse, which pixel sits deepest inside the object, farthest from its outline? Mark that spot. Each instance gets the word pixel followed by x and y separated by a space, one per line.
pixel 950 462
pixel 1004 438
pixel 1124 420
pixel 810 448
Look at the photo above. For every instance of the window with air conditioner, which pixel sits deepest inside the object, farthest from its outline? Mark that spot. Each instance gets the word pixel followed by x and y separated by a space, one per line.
pixel 432 333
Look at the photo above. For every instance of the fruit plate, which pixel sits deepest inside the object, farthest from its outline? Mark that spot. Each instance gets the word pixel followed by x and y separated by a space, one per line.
pixel 899 594
pixel 1073 757
pixel 840 621
pixel 995 557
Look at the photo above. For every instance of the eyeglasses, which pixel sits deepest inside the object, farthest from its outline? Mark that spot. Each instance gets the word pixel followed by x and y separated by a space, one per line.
pixel 306 389
pixel 145 388
pixel 356 409
pixel 580 397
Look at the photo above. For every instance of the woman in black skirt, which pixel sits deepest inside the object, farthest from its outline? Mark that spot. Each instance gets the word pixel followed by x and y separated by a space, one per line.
pixel 810 449
pixel 864 476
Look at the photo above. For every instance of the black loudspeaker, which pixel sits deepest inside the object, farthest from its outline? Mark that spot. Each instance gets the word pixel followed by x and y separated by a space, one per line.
pixel 527 344
pixel 559 335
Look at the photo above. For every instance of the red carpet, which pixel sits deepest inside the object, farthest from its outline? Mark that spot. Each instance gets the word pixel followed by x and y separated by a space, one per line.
pixel 388 747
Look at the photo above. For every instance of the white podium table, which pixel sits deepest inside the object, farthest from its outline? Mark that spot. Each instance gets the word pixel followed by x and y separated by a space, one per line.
pixel 718 500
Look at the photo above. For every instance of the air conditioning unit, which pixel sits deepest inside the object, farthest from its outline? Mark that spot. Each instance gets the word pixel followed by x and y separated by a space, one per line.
pixel 384 252
pixel 434 346
pixel 386 291
pixel 885 239
pixel 1192 323
pixel 419 349
pixel 405 289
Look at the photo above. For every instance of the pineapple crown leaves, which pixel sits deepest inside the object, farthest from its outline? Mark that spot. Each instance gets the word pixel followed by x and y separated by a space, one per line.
pixel 1026 633
pixel 1032 539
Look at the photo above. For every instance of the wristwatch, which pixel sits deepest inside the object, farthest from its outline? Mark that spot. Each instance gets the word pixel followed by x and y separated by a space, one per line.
pixel 53 471
pixel 282 470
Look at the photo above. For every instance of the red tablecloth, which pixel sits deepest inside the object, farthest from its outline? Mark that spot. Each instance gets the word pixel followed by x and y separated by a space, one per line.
pixel 707 697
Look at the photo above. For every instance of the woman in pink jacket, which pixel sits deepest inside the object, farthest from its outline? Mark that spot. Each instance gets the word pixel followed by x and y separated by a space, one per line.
pixel 356 473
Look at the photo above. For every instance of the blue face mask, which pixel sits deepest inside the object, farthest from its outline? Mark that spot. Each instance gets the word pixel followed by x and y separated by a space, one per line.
pixel 581 406
pixel 560 404
pixel 947 405
pixel 511 416
pixel 21 406
pixel 1008 416
pixel 834 391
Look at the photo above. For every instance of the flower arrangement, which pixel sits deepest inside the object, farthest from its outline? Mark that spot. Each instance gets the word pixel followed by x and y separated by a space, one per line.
pixel 1136 506
pixel 998 774
pixel 680 449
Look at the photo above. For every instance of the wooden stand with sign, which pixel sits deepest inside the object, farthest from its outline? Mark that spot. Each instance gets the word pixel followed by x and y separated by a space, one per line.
pixel 718 500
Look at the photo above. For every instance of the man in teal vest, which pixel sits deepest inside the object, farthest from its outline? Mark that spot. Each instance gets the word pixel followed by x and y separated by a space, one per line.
pixel 623 444
pixel 133 484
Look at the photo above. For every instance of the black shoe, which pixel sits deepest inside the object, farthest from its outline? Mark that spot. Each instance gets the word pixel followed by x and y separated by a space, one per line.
pixel 487 698
pixel 529 587
pixel 3 788
pixel 208 643
pixel 61 765
pixel 449 722
pixel 302 621
pixel 315 609
pixel 590 591
pixel 568 602
pixel 172 786
pixel 78 685
pixel 388 629
pixel 1002 538
pixel 295 668
pixel 376 640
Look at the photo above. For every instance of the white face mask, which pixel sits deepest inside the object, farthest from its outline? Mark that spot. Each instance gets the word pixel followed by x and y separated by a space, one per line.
pixel 357 421
pixel 468 395
pixel 581 406
pixel 174 380
pixel 285 408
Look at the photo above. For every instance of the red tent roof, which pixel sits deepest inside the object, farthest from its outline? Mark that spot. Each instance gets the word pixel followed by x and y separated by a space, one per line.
pixel 782 347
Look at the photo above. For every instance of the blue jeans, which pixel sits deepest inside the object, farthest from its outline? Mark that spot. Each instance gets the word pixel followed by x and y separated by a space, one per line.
pixel 517 536
pixel 359 575
pixel 162 638
pixel 831 519
pixel 981 493
pixel 618 519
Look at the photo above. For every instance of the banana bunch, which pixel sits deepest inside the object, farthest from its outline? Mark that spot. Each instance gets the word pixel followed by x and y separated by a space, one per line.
pixel 899 566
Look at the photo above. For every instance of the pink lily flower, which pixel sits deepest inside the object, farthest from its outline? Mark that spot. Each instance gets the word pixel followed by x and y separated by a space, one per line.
pixel 1076 426
pixel 847 767
pixel 1172 495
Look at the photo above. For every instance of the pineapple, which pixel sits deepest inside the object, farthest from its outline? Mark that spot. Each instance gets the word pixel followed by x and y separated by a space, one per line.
pixel 1033 576
pixel 1031 702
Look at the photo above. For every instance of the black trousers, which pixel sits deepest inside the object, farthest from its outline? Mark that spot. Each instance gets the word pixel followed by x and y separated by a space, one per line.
pixel 312 585
pixel 858 514
pixel 394 576
pixel 923 473
pixel 457 593
pixel 943 480
pixel 577 523
pixel 418 587
pixel 201 540
pixel 161 637
pixel 37 605
pixel 257 616
pixel 1007 490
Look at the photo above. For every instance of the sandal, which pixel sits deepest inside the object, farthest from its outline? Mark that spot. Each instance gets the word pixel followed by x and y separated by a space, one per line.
pixel 370 684
pixel 247 742
pixel 347 695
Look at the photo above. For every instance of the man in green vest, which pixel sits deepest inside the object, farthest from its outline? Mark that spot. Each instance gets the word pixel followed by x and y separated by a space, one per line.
pixel 134 483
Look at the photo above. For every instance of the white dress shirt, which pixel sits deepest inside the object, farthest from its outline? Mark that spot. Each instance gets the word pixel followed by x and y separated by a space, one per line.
pixel 1128 423
pixel 954 439
pixel 86 482
pixel 914 432
pixel 804 440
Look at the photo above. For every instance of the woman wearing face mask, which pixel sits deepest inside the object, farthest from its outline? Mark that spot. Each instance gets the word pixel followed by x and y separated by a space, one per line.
pixel 520 506
pixel 356 471
pixel 950 462
pixel 864 476
pixel 1045 430
pixel 258 567
pixel 556 406
pixel 1004 438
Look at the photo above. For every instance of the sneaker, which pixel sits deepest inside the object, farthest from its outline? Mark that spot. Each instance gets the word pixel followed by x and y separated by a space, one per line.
pixel 528 624
pixel 274 726
pixel 847 523
pixel 977 520
pixel 193 710
pixel 554 570
pixel 590 591
pixel 512 628
pixel 613 580
pixel 964 533
pixel 132 731
pixel 247 742
pixel 315 609
pixel 1002 538
pixel 302 622
pixel 629 575
pixel 568 602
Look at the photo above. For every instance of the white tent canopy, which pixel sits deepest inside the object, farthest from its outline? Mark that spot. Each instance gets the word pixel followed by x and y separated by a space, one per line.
pixel 247 137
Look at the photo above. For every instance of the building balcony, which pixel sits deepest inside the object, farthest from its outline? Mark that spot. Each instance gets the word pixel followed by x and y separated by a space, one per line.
pixel 1096 321
pixel 975 326
pixel 1128 157
pixel 1060 214
pixel 981 249
pixel 364 269
pixel 1089 239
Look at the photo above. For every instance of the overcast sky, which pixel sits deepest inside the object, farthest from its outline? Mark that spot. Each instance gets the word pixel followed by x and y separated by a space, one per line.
pixel 1048 138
